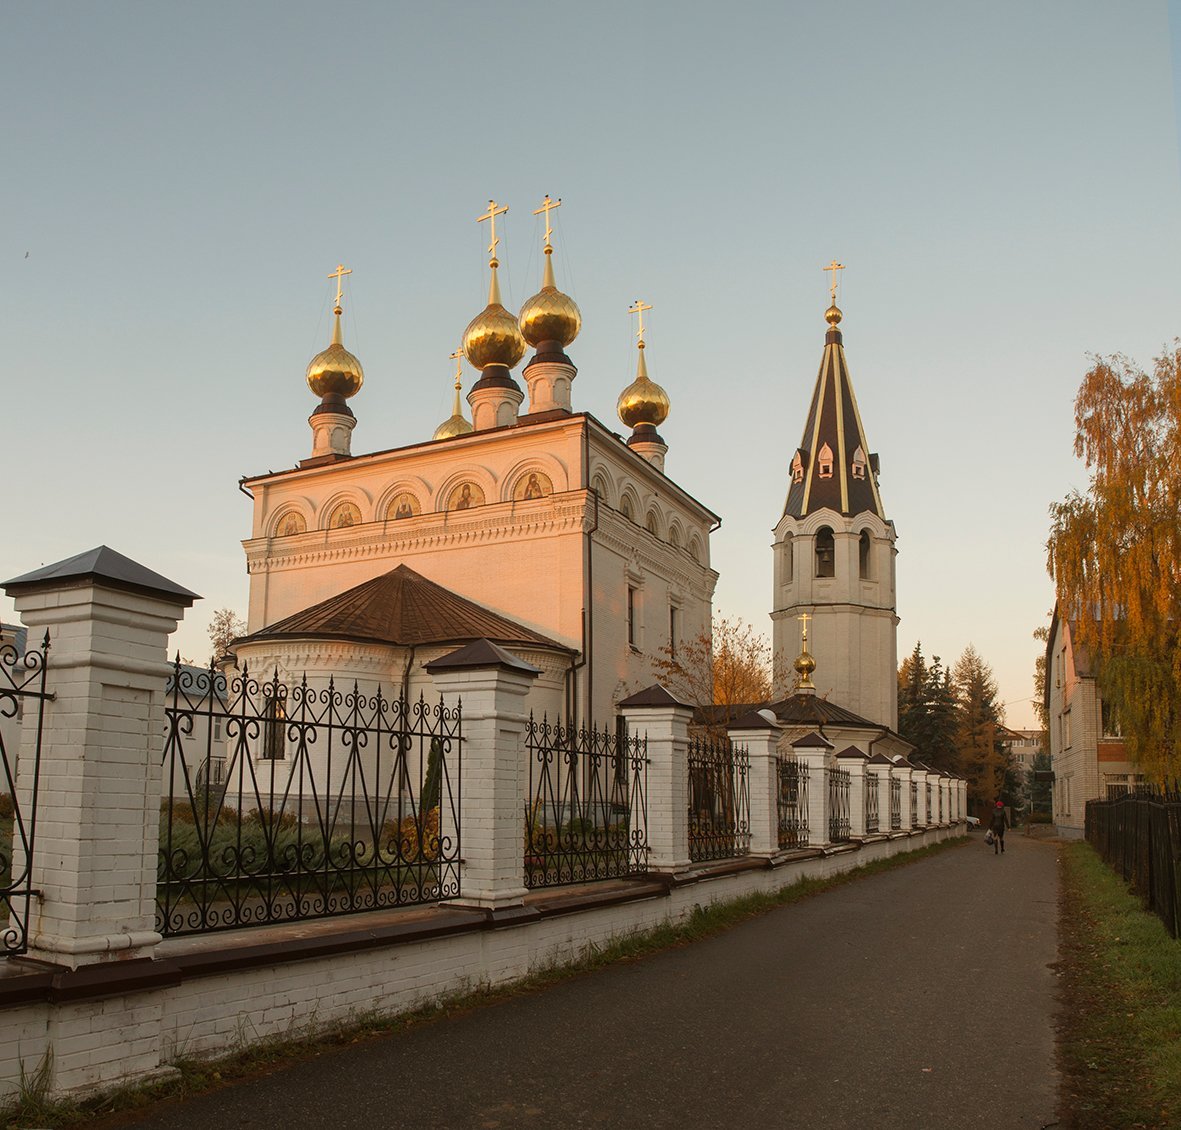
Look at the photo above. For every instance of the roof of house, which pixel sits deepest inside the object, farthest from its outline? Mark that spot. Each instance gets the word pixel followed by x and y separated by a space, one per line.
pixel 404 608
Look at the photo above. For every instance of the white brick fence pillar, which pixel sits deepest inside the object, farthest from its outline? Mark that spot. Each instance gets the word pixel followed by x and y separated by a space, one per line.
pixel 760 735
pixel 903 771
pixel 491 684
pixel 655 713
pixel 98 812
pixel 813 751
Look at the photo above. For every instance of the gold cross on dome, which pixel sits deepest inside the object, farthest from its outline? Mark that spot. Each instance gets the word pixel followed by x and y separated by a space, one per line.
pixel 638 308
pixel 494 210
pixel 457 357
pixel 834 266
pixel 803 619
pixel 339 274
pixel 547 206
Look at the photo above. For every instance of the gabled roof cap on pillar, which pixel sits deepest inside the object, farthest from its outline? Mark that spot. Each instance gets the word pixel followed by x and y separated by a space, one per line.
pixel 812 741
pixel 655 695
pixel 101 566
pixel 481 653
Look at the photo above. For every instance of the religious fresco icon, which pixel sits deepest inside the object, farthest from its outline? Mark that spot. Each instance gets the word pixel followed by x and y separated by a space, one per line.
pixel 403 505
pixel 465 496
pixel 535 484
pixel 290 525
pixel 346 514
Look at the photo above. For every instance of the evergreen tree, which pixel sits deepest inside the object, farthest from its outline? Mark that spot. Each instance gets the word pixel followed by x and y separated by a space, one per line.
pixel 927 709
pixel 981 752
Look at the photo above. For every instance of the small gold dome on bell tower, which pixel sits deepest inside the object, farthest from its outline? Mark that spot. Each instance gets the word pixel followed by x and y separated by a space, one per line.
pixel 335 372
pixel 643 401
pixel 493 336
pixel 549 316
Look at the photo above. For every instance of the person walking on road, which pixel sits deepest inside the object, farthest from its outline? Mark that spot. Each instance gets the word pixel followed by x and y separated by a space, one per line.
pixel 998 824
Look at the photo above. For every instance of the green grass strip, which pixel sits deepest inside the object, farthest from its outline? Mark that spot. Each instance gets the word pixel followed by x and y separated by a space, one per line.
pixel 253 1054
pixel 1120 1042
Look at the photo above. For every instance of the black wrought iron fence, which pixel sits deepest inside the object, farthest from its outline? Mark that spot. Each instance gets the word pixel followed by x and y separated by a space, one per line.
pixel 792 776
pixel 914 803
pixel 587 813
pixel 1138 834
pixel 927 805
pixel 895 803
pixel 838 805
pixel 22 692
pixel 872 818
pixel 939 790
pixel 329 802
pixel 719 799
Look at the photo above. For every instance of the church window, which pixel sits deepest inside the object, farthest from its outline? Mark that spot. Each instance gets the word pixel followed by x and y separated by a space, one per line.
pixel 626 508
pixel 673 617
pixel 797 467
pixel 346 514
pixel 826 557
pixel 652 525
pixel 674 537
pixel 695 550
pixel 789 560
pixel 859 464
pixel 632 632
pixel 864 548
pixel 274 732
pixel 824 462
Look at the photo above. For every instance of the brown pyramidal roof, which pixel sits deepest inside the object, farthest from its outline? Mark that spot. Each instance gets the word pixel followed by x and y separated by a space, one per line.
pixel 402 607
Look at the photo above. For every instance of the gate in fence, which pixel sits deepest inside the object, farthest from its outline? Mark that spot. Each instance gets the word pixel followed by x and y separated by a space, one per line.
pixel 22 697
pixel 326 802
pixel 587 813
pixel 719 799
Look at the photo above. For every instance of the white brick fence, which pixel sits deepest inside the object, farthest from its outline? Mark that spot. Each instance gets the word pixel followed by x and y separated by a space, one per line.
pixel 114 1001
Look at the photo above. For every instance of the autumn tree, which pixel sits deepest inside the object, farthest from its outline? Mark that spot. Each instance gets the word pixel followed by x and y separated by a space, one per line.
pixel 980 749
pixel 225 627
pixel 728 667
pixel 1114 549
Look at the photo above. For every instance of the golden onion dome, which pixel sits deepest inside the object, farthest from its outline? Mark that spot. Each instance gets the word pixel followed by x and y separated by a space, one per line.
pixel 643 401
pixel 457 424
pixel 335 371
pixel 833 315
pixel 550 315
pixel 805 665
pixel 493 336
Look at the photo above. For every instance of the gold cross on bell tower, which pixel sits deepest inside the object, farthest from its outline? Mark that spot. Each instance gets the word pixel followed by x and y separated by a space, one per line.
pixel 457 357
pixel 834 266
pixel 638 308
pixel 494 210
pixel 547 206
pixel 339 274
pixel 803 619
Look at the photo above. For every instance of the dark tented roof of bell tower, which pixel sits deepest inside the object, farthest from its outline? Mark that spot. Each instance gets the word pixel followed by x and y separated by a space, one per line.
pixel 833 468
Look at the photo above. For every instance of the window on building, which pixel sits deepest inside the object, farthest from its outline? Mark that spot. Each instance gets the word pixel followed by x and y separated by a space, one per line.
pixel 797 467
pixel 1066 730
pixel 826 556
pixel 631 617
pixel 275 732
pixel 1110 718
pixel 824 462
pixel 626 509
pixel 673 628
pixel 789 560
pixel 864 546
pixel 858 467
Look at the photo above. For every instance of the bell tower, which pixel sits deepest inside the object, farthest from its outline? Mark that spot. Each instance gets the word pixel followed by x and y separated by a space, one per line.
pixel 834 551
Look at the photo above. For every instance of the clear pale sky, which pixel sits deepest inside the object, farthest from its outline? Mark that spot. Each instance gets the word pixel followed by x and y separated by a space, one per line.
pixel 1001 180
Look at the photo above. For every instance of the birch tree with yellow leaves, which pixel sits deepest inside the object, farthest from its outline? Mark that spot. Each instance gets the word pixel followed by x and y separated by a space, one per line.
pixel 1115 549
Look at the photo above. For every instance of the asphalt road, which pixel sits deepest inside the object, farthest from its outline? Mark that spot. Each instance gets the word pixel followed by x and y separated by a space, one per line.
pixel 922 997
